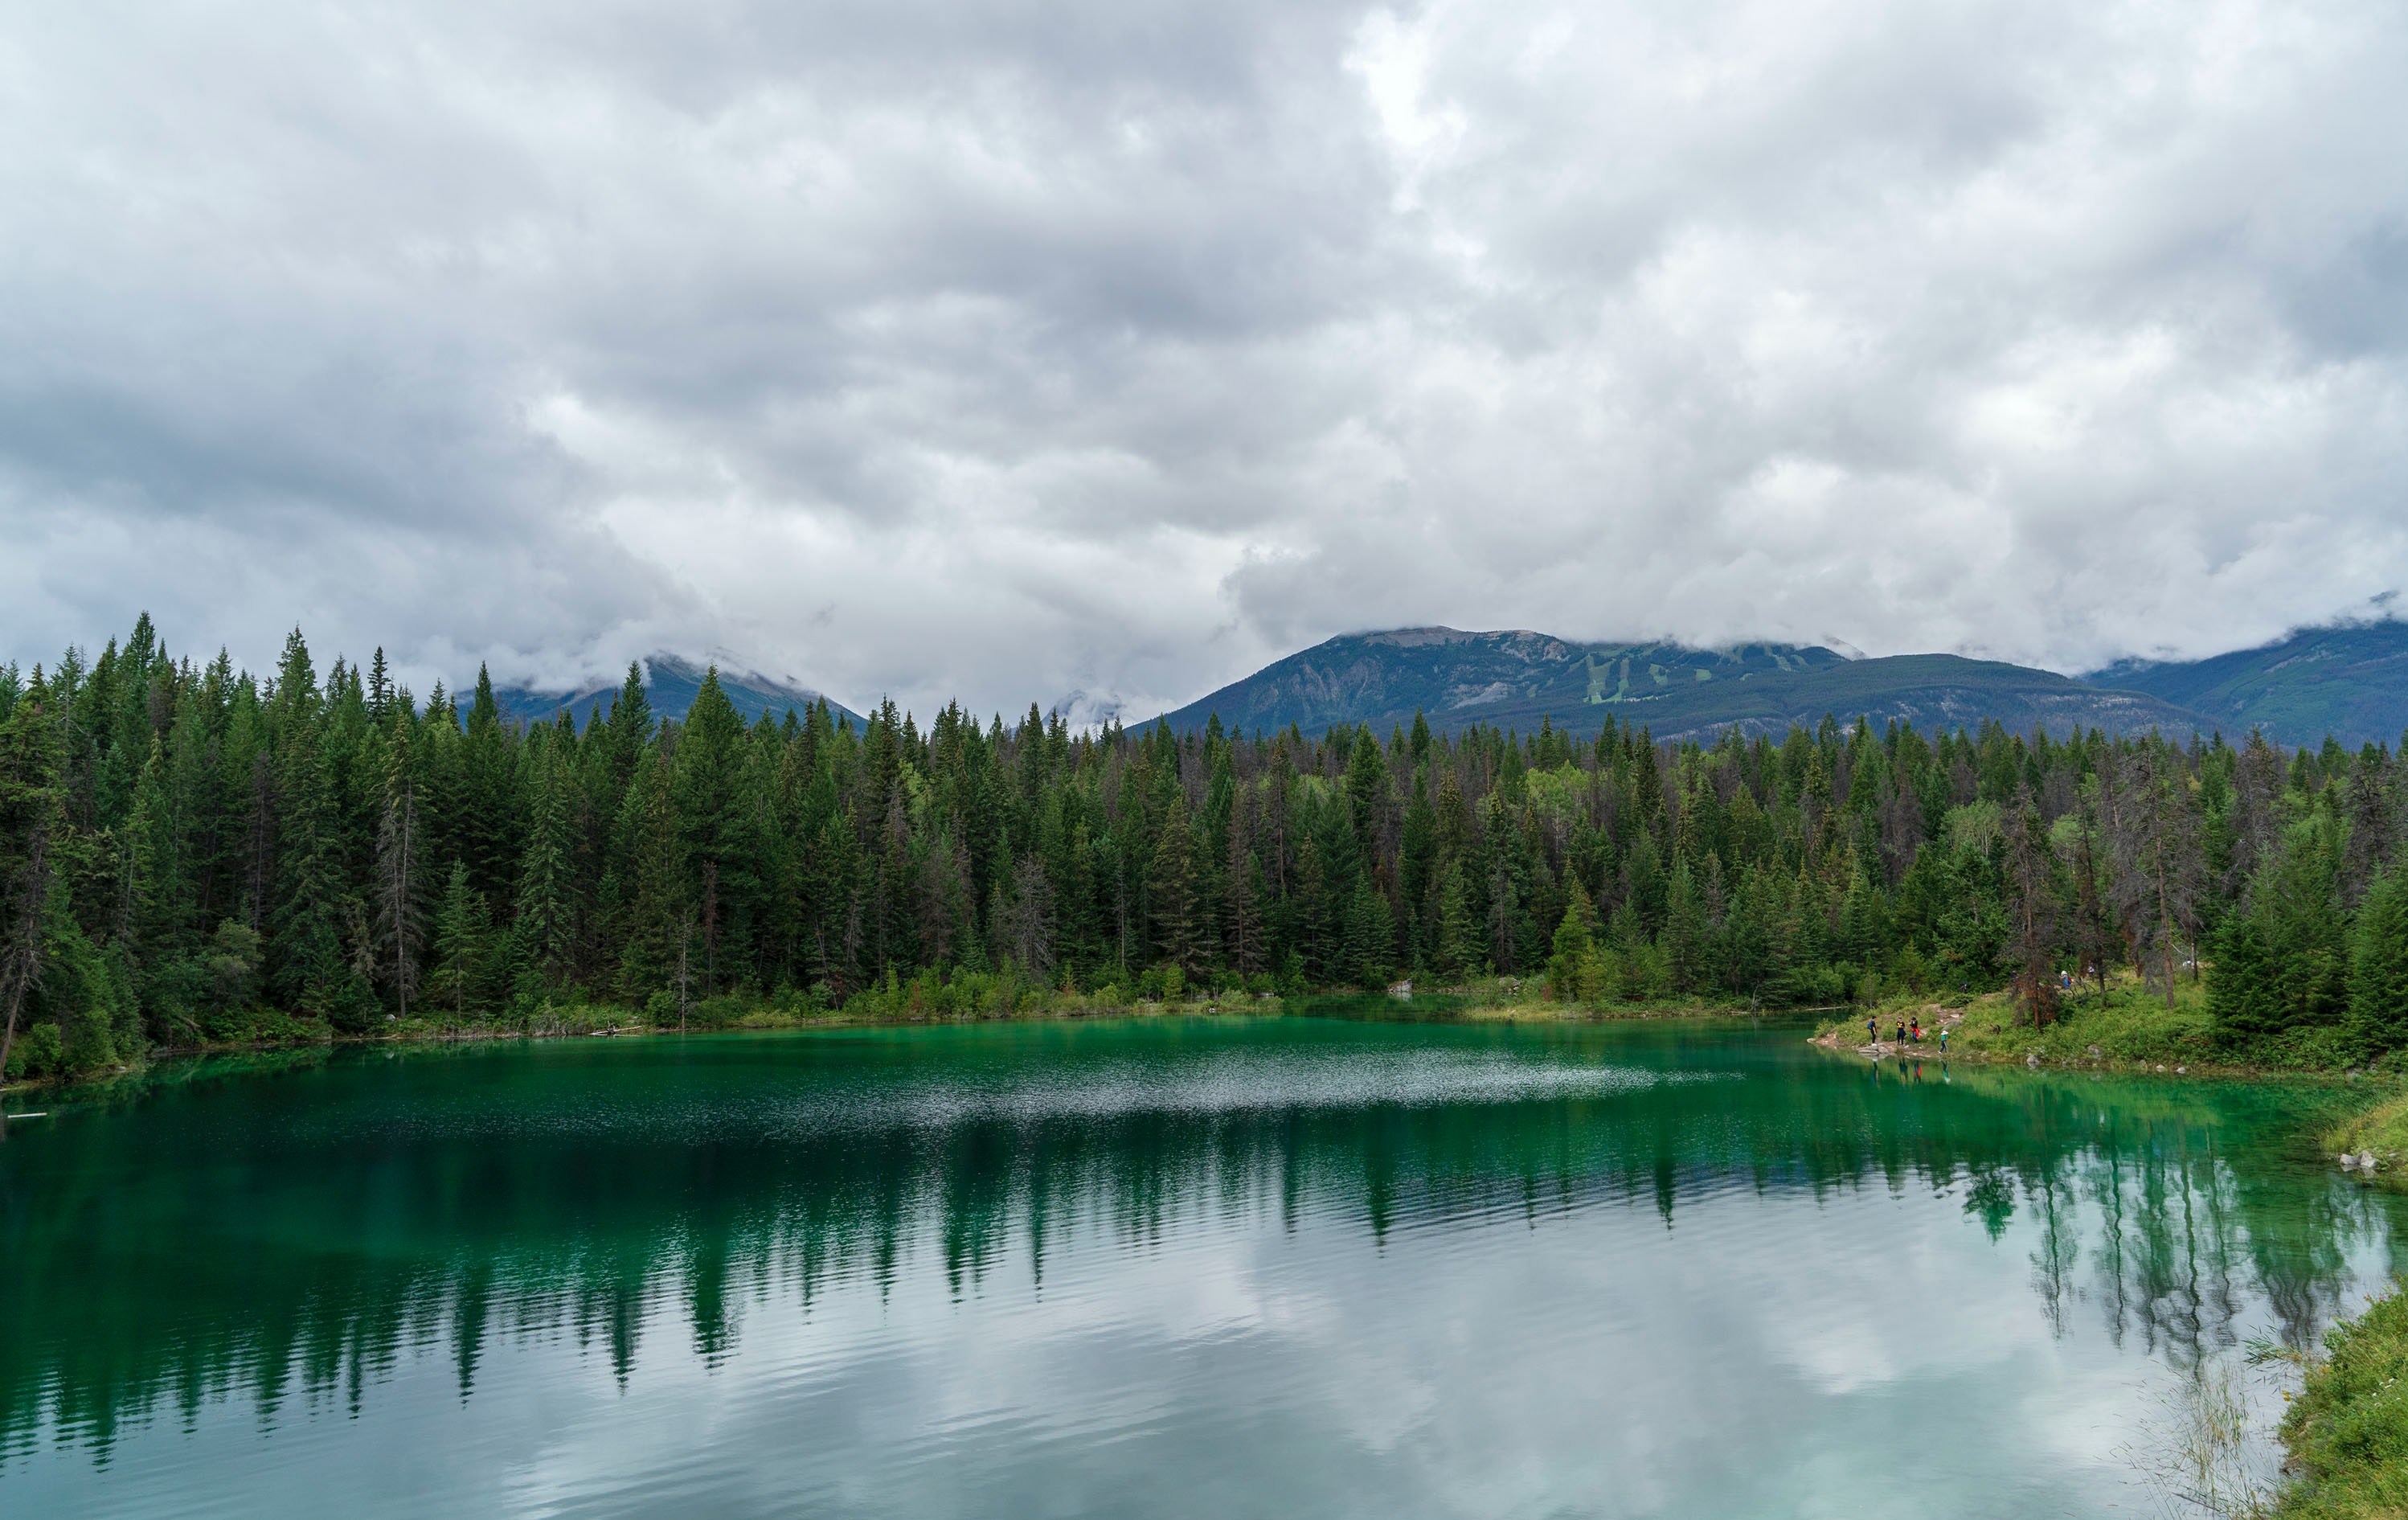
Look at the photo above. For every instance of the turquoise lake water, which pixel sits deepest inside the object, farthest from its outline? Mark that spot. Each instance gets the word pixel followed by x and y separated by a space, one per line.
pixel 1173 1266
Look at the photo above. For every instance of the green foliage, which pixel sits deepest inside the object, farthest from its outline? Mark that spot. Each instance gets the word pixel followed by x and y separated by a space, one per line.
pixel 192 855
pixel 2347 1430
pixel 2378 1007
pixel 39 1053
pixel 2284 956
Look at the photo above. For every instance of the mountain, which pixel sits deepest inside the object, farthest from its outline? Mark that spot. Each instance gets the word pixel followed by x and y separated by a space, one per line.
pixel 671 684
pixel 1512 679
pixel 2349 681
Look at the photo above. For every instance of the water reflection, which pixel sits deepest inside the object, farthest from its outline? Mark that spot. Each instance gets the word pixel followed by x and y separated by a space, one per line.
pixel 289 1232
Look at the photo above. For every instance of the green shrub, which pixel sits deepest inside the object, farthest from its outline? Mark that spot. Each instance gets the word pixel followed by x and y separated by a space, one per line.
pixel 39 1052
pixel 2349 1428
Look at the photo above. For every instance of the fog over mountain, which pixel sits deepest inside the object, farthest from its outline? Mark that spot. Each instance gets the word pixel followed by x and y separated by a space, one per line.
pixel 1017 350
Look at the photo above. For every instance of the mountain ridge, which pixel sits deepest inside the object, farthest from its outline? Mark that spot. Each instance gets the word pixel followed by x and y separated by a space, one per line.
pixel 2348 679
pixel 671 683
pixel 1515 678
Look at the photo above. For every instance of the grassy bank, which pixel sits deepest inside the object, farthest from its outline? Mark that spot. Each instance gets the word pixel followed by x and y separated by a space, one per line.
pixel 2380 1132
pixel 2127 1027
pixel 2347 1430
pixel 1512 1000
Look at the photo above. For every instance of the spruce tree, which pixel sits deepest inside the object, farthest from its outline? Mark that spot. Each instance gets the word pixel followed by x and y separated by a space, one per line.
pixel 308 967
pixel 545 925
pixel 2378 982
pixel 28 818
pixel 1571 966
pixel 1457 954
pixel 1171 890
pixel 458 979
pixel 1685 931
pixel 659 919
pixel 400 887
pixel 1313 927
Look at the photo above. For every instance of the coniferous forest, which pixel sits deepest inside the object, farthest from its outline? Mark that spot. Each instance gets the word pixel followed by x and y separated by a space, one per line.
pixel 192 855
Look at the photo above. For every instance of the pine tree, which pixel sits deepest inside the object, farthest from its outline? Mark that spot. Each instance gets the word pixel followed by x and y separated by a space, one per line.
pixel 1313 927
pixel 400 923
pixel 2378 981
pixel 2157 864
pixel 1685 931
pixel 461 924
pixel 1370 942
pixel 309 970
pixel 1643 882
pixel 1747 949
pixel 1367 791
pixel 28 817
pixel 2031 909
pixel 1170 891
pixel 1457 956
pixel 658 920
pixel 1571 967
pixel 489 807
pixel 716 811
pixel 546 924
pixel 1241 918
pixel 1026 920
pixel 2244 1003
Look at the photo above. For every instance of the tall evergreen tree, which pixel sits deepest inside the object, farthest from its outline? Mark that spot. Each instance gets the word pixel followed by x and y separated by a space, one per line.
pixel 2378 981
pixel 400 886
pixel 463 924
pixel 547 905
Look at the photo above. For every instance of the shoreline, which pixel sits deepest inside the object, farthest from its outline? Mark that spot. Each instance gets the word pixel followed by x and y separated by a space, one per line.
pixel 1437 1005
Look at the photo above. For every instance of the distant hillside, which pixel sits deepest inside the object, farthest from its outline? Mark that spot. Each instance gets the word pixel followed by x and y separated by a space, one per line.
pixel 1513 679
pixel 669 686
pixel 2349 681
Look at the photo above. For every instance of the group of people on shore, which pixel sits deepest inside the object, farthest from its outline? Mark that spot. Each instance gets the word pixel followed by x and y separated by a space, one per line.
pixel 1909 1031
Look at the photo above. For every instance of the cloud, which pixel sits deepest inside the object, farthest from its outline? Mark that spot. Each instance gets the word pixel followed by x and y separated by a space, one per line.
pixel 1018 351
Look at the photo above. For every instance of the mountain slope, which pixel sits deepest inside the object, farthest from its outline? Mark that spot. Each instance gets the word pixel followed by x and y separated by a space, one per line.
pixel 2350 682
pixel 670 685
pixel 1513 679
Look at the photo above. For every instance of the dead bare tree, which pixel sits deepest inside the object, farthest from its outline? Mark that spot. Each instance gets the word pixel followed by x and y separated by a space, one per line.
pixel 2157 864
pixel 399 927
pixel 1028 920
pixel 2031 906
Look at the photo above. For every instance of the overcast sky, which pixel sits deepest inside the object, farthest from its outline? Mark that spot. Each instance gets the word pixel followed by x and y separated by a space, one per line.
pixel 1038 347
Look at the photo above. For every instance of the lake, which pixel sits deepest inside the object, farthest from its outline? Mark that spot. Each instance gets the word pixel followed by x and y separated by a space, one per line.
pixel 1211 1267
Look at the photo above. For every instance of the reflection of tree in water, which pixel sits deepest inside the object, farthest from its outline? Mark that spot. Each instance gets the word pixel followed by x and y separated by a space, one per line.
pixel 2184 1229
pixel 139 1285
pixel 1991 1198
pixel 2057 1209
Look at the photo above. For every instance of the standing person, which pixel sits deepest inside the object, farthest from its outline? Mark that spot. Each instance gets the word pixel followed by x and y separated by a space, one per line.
pixel 1872 1033
pixel 1918 1029
pixel 1943 1040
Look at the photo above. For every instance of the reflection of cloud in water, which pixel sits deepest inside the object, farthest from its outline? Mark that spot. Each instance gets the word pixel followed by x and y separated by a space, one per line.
pixel 951 1274
pixel 1210 1084
pixel 1240 1081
